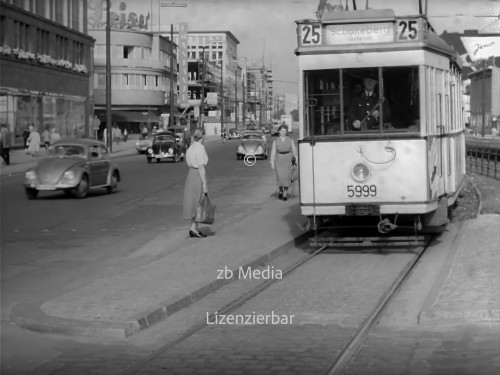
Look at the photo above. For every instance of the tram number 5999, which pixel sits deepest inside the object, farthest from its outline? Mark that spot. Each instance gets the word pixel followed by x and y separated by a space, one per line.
pixel 359 191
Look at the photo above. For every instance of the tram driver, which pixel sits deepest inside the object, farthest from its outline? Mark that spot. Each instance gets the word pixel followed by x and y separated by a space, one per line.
pixel 364 111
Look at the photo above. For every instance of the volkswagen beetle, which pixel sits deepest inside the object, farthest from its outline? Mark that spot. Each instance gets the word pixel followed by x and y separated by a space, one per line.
pixel 74 166
pixel 252 143
pixel 165 147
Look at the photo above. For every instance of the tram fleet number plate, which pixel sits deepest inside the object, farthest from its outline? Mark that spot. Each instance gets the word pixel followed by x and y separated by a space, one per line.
pixel 359 191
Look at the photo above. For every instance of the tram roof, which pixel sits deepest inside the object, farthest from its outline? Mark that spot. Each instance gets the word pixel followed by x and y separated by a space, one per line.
pixel 401 33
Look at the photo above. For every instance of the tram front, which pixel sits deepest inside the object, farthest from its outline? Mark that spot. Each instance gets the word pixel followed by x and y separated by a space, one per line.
pixel 381 130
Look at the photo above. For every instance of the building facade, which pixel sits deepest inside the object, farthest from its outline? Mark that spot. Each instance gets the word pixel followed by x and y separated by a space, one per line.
pixel 141 71
pixel 143 64
pixel 45 67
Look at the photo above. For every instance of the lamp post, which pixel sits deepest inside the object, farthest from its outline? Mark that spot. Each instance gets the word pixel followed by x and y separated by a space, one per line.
pixel 243 79
pixel 222 95
pixel 202 99
pixel 171 4
pixel 109 139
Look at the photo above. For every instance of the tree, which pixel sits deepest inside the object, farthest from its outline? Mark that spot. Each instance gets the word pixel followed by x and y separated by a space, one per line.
pixel 295 115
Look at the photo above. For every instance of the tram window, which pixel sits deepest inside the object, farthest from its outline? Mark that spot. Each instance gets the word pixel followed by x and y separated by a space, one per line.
pixel 336 98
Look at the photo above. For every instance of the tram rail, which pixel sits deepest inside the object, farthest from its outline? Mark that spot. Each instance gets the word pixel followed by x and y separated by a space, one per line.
pixel 350 349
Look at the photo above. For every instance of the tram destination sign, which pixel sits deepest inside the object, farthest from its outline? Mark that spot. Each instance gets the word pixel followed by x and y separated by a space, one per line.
pixel 359 33
pixel 401 31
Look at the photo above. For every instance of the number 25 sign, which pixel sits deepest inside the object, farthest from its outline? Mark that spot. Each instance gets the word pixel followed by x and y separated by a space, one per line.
pixel 310 35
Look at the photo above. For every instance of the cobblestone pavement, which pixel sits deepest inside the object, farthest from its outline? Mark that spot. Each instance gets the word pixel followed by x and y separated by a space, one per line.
pixel 447 350
pixel 271 349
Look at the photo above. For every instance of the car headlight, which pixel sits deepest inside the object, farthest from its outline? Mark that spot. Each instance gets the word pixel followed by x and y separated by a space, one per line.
pixel 258 150
pixel 360 172
pixel 30 175
pixel 170 150
pixel 150 150
pixel 137 144
pixel 69 175
pixel 241 149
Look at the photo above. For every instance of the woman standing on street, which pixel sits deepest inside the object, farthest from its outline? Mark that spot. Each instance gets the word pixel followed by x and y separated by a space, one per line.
pixel 196 181
pixel 282 153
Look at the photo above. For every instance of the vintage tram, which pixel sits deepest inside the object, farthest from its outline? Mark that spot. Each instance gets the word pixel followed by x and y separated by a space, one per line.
pixel 391 155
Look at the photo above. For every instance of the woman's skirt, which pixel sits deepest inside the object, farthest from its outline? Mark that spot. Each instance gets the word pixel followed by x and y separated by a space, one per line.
pixel 283 163
pixel 192 193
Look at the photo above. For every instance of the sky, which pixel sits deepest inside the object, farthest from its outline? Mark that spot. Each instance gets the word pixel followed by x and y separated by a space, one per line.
pixel 266 29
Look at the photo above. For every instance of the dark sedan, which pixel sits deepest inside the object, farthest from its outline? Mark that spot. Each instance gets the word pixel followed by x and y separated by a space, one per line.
pixel 74 166
pixel 165 147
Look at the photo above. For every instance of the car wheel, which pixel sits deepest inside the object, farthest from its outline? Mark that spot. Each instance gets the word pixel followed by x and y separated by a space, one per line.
pixel 31 193
pixel 158 160
pixel 68 192
pixel 177 158
pixel 82 188
pixel 113 184
pixel 149 160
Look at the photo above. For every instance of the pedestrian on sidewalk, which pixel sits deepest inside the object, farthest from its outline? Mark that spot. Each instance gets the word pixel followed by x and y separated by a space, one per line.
pixel 54 135
pixel 125 135
pixel 46 138
pixel 283 152
pixel 26 135
pixel 34 143
pixel 196 181
pixel 5 144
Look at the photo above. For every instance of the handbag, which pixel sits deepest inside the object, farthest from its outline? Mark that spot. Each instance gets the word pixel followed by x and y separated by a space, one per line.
pixel 205 211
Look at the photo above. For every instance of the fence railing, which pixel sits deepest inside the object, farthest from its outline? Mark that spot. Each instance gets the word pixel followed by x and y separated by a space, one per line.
pixel 483 160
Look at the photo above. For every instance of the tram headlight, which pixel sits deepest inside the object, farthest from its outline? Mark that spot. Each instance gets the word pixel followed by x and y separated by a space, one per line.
pixel 360 172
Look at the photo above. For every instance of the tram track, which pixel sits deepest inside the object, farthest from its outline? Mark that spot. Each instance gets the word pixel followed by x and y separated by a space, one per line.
pixel 359 338
pixel 349 350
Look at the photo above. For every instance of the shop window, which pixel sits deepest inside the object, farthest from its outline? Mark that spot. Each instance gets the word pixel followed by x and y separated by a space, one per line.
pixel 128 52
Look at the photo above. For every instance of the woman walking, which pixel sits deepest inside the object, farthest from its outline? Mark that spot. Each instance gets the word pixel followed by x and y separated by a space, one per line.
pixel 34 142
pixel 282 153
pixel 196 181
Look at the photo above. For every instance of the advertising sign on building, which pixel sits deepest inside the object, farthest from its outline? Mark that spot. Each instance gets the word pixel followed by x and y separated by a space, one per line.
pixel 481 47
pixel 182 58
pixel 120 18
pixel 211 98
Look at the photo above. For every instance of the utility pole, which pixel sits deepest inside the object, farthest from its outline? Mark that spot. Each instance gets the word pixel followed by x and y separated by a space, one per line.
pixel 236 97
pixel 222 95
pixel 202 99
pixel 171 117
pixel 109 139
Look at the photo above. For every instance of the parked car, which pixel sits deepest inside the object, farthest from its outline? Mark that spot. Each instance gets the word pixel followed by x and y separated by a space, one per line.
pixel 252 143
pixel 143 144
pixel 234 134
pixel 165 147
pixel 74 166
pixel 181 135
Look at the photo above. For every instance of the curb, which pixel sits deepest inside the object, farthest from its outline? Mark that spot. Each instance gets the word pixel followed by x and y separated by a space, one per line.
pixel 29 315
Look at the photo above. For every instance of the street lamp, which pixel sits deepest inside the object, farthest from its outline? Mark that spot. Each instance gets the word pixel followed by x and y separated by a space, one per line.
pixel 170 5
pixel 202 99
pixel 243 76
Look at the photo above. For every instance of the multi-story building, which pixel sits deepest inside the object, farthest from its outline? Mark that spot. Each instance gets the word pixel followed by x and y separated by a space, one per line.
pixel 45 67
pixel 215 53
pixel 142 65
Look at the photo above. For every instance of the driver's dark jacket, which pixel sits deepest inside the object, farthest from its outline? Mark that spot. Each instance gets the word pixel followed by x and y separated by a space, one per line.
pixel 362 105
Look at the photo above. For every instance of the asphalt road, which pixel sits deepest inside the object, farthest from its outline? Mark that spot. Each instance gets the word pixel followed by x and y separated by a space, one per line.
pixel 55 244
